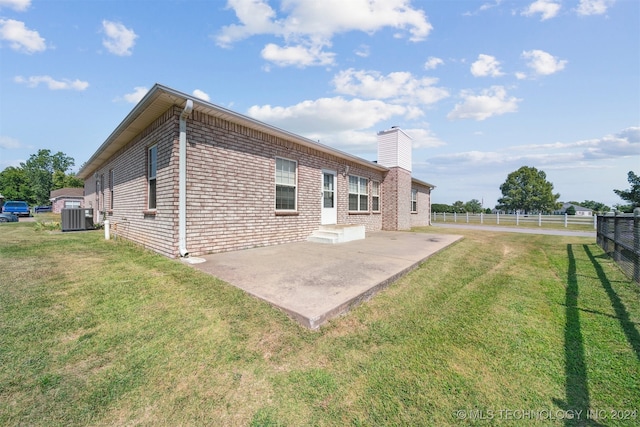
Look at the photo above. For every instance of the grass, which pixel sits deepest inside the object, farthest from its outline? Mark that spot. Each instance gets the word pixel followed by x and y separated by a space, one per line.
pixel 96 332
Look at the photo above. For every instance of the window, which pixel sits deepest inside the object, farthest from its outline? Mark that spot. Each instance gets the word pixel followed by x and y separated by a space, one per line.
pixel 111 184
pixel 97 192
pixel 285 184
pixel 414 200
pixel 375 196
pixel 101 206
pixel 152 169
pixel 71 204
pixel 358 194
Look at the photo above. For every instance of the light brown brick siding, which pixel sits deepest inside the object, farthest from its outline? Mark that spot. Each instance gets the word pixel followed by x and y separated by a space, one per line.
pixel 396 204
pixel 230 188
pixel 422 217
pixel 128 219
pixel 58 204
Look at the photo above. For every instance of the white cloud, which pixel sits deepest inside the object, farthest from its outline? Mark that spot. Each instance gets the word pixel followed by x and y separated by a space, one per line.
pixel 17 5
pixel 593 7
pixel 423 138
pixel 338 114
pixel 490 102
pixel 622 144
pixel 397 86
pixel 201 95
pixel 119 39
pixel 546 8
pixel 9 143
pixel 558 155
pixel 432 63
pixel 543 63
pixel 307 27
pixel 53 84
pixel 483 7
pixel 300 56
pixel 134 97
pixel 21 38
pixel 363 51
pixel 255 16
pixel 486 65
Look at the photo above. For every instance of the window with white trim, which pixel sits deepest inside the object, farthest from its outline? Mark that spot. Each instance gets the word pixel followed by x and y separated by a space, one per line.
pixel 152 169
pixel 358 194
pixel 414 200
pixel 286 182
pixel 375 196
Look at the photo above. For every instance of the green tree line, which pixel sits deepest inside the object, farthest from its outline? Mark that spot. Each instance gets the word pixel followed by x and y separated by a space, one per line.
pixel 528 191
pixel 34 179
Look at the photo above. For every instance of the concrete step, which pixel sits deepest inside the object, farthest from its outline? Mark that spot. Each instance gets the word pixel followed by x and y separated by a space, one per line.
pixel 333 234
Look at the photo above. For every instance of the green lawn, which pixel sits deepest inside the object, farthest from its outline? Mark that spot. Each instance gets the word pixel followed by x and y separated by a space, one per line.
pixel 498 328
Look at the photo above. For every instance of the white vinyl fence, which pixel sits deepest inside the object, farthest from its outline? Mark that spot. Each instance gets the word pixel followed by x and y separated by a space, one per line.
pixel 538 220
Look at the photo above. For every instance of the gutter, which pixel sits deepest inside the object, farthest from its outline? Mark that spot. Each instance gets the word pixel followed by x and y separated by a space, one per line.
pixel 182 178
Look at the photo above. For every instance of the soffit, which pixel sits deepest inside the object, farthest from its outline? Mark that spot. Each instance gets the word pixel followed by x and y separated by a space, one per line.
pixel 160 98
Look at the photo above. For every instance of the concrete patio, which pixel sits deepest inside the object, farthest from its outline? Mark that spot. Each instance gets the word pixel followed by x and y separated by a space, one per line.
pixel 314 282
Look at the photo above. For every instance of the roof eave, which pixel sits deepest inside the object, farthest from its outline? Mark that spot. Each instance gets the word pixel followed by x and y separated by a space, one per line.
pixel 140 117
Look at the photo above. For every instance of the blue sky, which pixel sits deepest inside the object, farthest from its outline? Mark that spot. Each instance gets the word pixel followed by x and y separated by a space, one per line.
pixel 483 87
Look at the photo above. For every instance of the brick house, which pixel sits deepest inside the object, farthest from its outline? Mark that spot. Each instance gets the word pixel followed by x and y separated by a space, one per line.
pixel 183 176
pixel 66 198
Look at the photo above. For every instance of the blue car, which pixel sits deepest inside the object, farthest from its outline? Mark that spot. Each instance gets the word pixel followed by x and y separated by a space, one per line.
pixel 8 217
pixel 19 208
pixel 40 209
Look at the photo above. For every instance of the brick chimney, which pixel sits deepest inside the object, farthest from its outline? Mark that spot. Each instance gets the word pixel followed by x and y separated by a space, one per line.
pixel 394 152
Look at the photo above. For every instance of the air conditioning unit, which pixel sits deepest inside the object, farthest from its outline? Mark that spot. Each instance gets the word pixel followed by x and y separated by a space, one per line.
pixel 77 219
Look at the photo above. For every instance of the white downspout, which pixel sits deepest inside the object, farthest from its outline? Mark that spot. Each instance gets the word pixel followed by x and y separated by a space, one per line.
pixel 182 177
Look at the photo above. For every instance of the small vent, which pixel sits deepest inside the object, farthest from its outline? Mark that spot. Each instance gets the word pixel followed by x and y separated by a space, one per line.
pixel 76 219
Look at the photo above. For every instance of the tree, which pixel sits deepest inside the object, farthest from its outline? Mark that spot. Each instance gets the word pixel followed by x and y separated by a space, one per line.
pixel 473 206
pixel 570 210
pixel 40 170
pixel 440 207
pixel 14 185
pixel 458 206
pixel 527 190
pixel 62 180
pixel 631 195
pixel 596 207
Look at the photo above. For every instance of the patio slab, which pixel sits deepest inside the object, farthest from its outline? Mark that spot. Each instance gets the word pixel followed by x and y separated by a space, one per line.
pixel 314 282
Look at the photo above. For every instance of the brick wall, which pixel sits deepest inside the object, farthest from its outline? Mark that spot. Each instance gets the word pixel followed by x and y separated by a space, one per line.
pixel 230 188
pixel 422 217
pixel 130 217
pixel 58 204
pixel 396 200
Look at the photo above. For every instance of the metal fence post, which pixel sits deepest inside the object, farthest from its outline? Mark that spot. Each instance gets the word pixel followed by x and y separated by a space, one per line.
pixel 636 245
pixel 616 237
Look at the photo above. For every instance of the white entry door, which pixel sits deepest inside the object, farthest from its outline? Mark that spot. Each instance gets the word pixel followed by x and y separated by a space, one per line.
pixel 329 206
